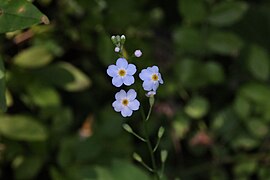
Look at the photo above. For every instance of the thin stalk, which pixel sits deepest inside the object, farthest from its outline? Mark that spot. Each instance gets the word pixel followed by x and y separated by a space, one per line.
pixel 149 145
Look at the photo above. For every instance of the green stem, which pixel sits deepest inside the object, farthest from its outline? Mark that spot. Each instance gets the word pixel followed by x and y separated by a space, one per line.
pixel 155 171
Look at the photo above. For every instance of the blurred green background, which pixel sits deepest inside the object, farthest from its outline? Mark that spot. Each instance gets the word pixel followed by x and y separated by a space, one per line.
pixel 214 104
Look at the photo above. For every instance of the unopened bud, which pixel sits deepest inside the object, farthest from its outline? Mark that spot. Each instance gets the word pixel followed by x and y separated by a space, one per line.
pixel 163 155
pixel 161 132
pixel 123 39
pixel 117 49
pixel 127 128
pixel 113 38
pixel 138 53
pixel 137 157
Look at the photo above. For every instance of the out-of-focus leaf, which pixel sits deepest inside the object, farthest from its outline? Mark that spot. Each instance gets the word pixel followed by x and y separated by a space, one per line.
pixel 33 57
pixel 225 43
pixel 197 107
pixel 181 126
pixel 3 103
pixel 256 92
pixel 189 40
pixel 244 142
pixel 105 49
pixel 125 170
pixel 259 63
pixel 214 72
pixel 193 10
pixel 43 96
pixel 103 174
pixel 245 167
pixel 29 168
pixel 257 127
pixel 81 81
pixel 22 127
pixel 242 107
pixel 19 14
pixel 227 12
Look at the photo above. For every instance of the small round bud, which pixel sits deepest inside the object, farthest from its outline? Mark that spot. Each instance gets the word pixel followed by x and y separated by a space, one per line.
pixel 127 128
pixel 138 53
pixel 161 132
pixel 113 38
pixel 137 157
pixel 123 37
pixel 117 49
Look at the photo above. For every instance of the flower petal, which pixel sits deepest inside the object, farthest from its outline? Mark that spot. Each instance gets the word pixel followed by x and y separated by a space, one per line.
pixel 160 78
pixel 117 105
pixel 112 70
pixel 155 86
pixel 126 112
pixel 147 85
pixel 155 69
pixel 117 81
pixel 128 80
pixel 134 105
pixel 120 95
pixel 131 94
pixel 145 75
pixel 122 63
pixel 131 69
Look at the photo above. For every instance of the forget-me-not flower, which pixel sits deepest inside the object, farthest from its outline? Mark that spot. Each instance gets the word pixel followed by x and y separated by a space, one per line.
pixel 126 102
pixel 122 72
pixel 151 78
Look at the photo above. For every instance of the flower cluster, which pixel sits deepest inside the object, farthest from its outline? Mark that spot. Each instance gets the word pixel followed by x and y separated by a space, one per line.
pixel 123 73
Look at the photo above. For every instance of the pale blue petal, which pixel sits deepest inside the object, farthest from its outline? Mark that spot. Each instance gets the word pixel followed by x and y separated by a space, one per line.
pixel 134 105
pixel 155 86
pixel 147 85
pixel 112 70
pixel 131 69
pixel 120 95
pixel 122 63
pixel 160 78
pixel 117 105
pixel 126 112
pixel 145 75
pixel 155 69
pixel 117 81
pixel 128 80
pixel 131 94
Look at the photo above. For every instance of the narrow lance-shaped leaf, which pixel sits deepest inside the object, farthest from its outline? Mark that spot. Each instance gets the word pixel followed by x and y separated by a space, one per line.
pixel 3 106
pixel 19 14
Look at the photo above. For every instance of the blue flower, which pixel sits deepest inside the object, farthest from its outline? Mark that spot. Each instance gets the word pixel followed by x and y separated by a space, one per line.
pixel 151 78
pixel 126 103
pixel 122 72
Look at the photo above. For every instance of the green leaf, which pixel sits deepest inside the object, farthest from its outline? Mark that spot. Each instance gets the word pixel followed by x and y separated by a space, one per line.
pixel 81 80
pixel 258 63
pixel 214 72
pixel 227 13
pixel 256 92
pixel 225 43
pixel 245 168
pixel 125 170
pixel 22 127
pixel 3 103
pixel 189 40
pixel 19 14
pixel 242 107
pixel 193 10
pixel 33 57
pixel 197 107
pixel 257 127
pixel 181 126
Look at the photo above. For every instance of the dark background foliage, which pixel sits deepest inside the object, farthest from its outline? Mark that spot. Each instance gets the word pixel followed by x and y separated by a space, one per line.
pixel 214 104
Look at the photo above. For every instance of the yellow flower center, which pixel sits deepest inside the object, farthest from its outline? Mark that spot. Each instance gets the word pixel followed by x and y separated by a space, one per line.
pixel 122 72
pixel 154 77
pixel 125 102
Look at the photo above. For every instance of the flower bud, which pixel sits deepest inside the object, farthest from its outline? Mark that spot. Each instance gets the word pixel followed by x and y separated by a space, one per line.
pixel 138 53
pixel 117 49
pixel 163 155
pixel 127 128
pixel 137 157
pixel 161 132
pixel 123 39
pixel 113 38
